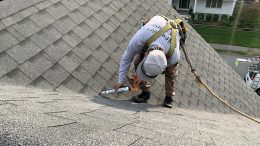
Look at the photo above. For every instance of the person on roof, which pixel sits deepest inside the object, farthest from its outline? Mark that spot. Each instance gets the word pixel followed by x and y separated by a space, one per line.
pixel 150 60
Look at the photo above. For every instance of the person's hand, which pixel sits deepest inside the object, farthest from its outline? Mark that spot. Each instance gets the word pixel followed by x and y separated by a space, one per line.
pixel 117 86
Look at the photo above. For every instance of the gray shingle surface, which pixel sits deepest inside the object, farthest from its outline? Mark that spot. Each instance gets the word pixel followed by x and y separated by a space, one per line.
pixel 70 4
pixel 70 62
pixel 26 27
pixel 58 50
pixel 77 45
pixel 6 64
pixel 82 51
pixel 70 24
pixel 56 75
pixel 15 77
pixel 19 16
pixel 82 30
pixel 23 51
pixel 42 19
pixel 77 16
pixel 72 39
pixel 57 10
pixel 36 66
pixel 7 40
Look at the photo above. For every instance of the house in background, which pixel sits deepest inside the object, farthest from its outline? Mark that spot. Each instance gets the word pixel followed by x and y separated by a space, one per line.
pixel 205 6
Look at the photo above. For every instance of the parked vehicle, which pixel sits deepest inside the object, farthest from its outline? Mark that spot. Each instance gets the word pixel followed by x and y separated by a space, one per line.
pixel 252 77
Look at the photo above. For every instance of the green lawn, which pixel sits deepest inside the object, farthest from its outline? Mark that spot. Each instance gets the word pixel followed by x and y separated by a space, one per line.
pixel 229 36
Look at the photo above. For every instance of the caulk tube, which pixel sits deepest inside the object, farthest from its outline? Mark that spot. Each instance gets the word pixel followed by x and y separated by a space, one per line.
pixel 113 90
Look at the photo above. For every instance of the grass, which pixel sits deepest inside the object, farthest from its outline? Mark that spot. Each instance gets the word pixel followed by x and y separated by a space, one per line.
pixel 223 35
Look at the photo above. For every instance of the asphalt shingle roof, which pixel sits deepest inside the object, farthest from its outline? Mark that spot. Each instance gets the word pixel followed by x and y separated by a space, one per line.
pixel 77 45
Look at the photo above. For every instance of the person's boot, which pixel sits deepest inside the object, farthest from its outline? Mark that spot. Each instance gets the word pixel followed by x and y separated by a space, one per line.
pixel 168 102
pixel 143 97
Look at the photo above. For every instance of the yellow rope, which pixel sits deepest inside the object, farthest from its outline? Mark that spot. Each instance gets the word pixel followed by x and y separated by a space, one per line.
pixel 214 94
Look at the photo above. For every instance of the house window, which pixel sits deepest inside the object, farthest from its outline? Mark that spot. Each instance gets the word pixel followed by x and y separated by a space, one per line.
pixel 214 3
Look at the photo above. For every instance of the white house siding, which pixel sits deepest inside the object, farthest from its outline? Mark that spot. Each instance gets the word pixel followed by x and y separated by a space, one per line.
pixel 227 8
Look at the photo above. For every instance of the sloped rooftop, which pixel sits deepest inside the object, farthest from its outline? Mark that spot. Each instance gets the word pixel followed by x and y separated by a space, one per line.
pixel 43 117
pixel 75 46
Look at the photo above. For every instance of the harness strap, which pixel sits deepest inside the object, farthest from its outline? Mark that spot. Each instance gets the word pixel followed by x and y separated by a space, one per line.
pixel 171 25
pixel 158 34
pixel 173 43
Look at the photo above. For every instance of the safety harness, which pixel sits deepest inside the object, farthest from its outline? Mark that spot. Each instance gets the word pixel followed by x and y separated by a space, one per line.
pixel 170 25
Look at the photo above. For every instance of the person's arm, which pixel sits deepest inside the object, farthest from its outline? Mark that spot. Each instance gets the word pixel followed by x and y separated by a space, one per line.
pixel 135 45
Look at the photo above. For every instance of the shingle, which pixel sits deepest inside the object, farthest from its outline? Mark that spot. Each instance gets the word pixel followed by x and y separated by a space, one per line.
pixel 73 84
pixel 86 10
pixel 6 40
pixel 23 51
pixel 82 74
pixel 108 10
pixel 15 77
pixel 118 4
pixel 57 10
pixel 101 16
pixel 72 39
pixel 104 73
pixel 6 64
pixel 95 5
pixel 43 5
pixel 100 54
pixel 125 25
pixel 42 19
pixel 128 9
pixel 70 4
pixel 46 37
pixel 98 84
pixel 121 15
pixel 16 33
pixel 36 66
pixel 105 2
pixel 93 22
pixel 2 26
pixel 82 30
pixel 41 83
pixel 81 2
pixel 110 65
pixel 56 75
pixel 109 26
pixel 115 21
pixel 58 50
pixel 55 1
pixel 26 27
pixel 113 6
pixel 70 62
pixel 82 51
pixel 65 24
pixel 132 21
pixel 77 16
pixel 52 33
pixel 109 45
pixel 102 33
pixel 117 54
pixel 91 65
pixel 118 35
pixel 19 16
pixel 93 41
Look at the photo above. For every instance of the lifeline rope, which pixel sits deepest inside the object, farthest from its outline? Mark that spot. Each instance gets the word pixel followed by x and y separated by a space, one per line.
pixel 214 94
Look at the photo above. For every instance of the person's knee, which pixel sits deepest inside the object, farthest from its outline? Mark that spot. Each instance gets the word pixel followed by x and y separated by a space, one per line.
pixel 172 74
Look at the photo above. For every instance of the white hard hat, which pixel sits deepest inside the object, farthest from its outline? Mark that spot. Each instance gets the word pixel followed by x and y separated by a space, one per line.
pixel 151 66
